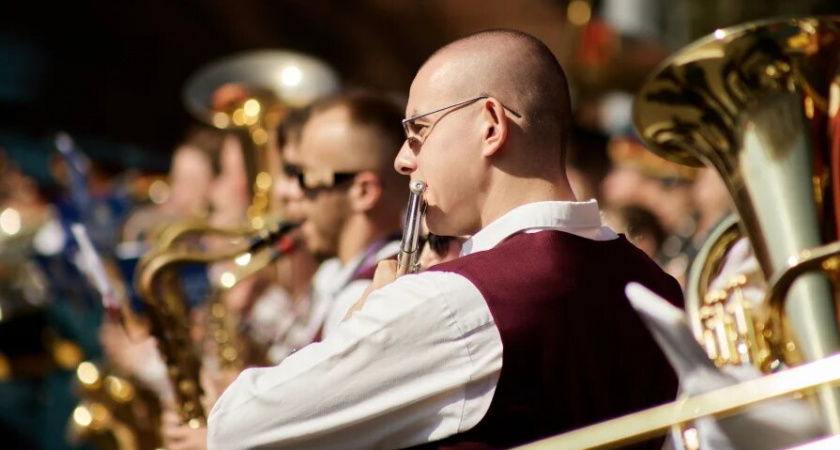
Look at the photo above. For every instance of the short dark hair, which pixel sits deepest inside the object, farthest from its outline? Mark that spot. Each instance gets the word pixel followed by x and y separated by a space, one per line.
pixel 640 221
pixel 382 112
pixel 289 129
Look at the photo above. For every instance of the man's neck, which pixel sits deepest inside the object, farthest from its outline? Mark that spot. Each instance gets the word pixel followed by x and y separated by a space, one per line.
pixel 512 192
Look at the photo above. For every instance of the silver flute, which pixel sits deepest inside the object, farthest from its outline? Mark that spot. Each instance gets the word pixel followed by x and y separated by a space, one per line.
pixel 408 260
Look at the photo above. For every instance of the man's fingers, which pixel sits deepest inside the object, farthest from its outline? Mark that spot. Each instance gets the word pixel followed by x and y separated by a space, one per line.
pixel 170 417
pixel 386 272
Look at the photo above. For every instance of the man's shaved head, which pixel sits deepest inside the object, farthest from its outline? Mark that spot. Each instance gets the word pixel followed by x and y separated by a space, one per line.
pixel 514 67
pixel 489 117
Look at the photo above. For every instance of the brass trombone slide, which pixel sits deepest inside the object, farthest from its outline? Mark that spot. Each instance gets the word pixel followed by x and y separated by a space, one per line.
pixel 719 403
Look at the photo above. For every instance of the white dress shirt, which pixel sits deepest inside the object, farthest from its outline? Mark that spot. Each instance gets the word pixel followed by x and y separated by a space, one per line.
pixel 418 363
pixel 333 293
pixel 347 291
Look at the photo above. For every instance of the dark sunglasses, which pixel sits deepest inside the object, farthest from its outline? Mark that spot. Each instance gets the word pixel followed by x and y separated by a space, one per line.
pixel 316 180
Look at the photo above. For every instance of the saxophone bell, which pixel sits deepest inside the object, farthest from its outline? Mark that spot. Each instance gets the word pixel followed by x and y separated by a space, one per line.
pixel 409 255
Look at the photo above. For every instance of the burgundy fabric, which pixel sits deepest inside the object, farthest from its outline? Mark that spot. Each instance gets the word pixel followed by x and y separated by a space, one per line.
pixel 575 352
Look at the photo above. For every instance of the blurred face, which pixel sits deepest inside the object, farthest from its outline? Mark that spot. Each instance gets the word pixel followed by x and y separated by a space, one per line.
pixel 622 187
pixel 287 192
pixel 325 206
pixel 229 193
pixel 447 159
pixel 190 179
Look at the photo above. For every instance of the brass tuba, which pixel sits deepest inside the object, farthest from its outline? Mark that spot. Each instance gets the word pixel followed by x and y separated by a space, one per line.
pixel 754 103
pixel 759 103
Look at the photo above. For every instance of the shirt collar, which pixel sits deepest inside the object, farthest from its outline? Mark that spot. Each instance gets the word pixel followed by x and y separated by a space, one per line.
pixel 335 276
pixel 554 215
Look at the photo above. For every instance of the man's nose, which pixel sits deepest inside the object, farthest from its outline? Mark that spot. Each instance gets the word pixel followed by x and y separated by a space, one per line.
pixel 406 161
pixel 287 189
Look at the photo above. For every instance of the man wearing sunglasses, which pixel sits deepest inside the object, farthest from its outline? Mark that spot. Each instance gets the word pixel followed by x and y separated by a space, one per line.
pixel 352 199
pixel 527 334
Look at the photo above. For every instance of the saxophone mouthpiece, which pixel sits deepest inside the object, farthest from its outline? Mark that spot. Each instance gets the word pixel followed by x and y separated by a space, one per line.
pixel 272 236
pixel 285 245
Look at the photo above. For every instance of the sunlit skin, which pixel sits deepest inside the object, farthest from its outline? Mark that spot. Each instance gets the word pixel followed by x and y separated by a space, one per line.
pixel 190 179
pixel 229 193
pixel 711 199
pixel 286 191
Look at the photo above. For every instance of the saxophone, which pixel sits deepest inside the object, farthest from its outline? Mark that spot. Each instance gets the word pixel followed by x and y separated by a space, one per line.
pixel 248 94
pixel 159 287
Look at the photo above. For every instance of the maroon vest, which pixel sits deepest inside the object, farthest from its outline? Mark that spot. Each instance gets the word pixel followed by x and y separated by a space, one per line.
pixel 575 352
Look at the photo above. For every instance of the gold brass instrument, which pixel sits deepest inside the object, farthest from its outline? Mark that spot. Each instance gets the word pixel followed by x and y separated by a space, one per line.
pixel 115 414
pixel 409 255
pixel 758 103
pixel 728 326
pixel 253 92
pixel 179 232
pixel 159 288
pixel 746 101
pixel 248 94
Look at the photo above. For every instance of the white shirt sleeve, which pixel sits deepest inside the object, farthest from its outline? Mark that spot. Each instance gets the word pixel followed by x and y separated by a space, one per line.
pixel 418 363
pixel 342 303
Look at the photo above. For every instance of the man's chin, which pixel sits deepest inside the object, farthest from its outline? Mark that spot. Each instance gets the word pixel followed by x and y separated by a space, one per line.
pixel 436 222
pixel 321 252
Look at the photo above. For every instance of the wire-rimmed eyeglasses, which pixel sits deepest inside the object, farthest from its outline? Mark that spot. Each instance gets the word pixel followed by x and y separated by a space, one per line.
pixel 413 130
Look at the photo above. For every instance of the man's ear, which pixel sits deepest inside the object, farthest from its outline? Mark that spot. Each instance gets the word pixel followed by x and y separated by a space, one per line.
pixel 494 126
pixel 366 192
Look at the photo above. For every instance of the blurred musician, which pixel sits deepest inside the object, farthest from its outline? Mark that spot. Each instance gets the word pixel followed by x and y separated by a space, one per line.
pixel 194 166
pixel 639 178
pixel 44 333
pixel 423 362
pixel 285 303
pixel 353 200
pixel 345 188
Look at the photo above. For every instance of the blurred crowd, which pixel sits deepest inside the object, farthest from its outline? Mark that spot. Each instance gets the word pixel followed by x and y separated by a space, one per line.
pixel 664 209
pixel 69 367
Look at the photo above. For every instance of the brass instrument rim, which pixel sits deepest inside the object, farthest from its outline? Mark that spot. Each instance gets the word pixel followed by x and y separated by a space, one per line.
pixel 264 70
pixel 708 47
